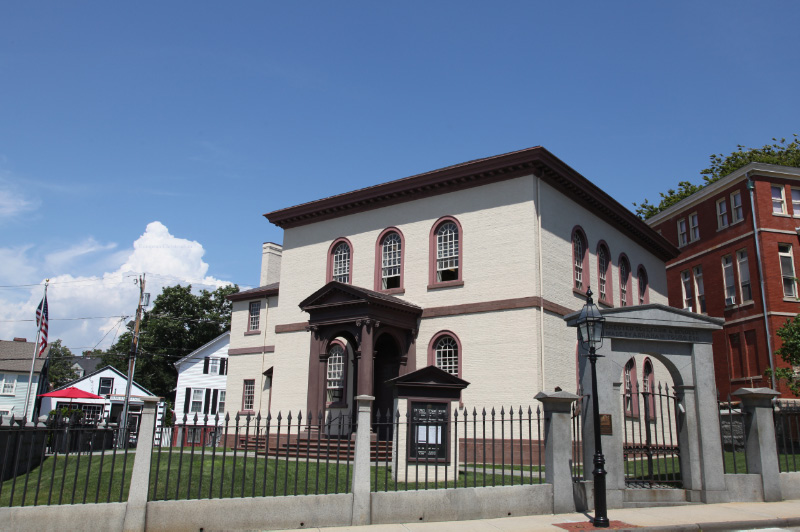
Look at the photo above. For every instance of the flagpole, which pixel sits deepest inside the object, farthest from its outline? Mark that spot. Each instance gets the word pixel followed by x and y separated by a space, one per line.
pixel 35 352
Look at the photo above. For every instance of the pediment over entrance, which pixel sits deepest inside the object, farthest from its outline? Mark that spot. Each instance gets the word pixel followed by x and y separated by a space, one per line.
pixel 337 302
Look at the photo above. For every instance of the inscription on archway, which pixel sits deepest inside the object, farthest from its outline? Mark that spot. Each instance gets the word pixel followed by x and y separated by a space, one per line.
pixel 651 332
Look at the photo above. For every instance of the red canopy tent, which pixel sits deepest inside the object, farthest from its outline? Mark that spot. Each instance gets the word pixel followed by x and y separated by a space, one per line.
pixel 71 393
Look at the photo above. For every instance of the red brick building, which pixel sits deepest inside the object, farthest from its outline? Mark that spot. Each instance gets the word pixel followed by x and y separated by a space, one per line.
pixel 740 253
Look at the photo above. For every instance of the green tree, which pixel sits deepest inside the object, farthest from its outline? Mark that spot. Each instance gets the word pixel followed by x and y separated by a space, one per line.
pixel 779 152
pixel 59 369
pixel 790 353
pixel 178 323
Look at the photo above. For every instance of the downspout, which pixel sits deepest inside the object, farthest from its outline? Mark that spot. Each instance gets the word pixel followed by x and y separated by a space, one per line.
pixel 541 281
pixel 750 188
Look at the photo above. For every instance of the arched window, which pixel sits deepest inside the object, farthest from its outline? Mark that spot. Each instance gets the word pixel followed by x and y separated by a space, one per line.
pixel 446 253
pixel 580 264
pixel 603 273
pixel 340 259
pixel 335 374
pixel 624 280
pixel 644 296
pixel 444 352
pixel 631 390
pixel 648 385
pixel 389 261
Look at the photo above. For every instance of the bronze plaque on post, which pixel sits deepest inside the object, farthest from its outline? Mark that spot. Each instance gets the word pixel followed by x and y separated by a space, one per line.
pixel 605 425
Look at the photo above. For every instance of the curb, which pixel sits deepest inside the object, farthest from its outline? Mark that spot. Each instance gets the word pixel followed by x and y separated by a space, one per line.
pixel 722 525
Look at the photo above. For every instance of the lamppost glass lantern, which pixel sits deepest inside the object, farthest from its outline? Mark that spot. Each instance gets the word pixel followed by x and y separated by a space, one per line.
pixel 590 324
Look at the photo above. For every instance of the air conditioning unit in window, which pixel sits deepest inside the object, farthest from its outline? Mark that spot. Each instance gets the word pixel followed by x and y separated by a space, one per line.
pixel 688 308
pixel 729 301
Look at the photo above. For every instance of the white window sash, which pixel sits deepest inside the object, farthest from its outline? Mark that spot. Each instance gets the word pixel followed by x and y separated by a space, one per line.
pixel 778 199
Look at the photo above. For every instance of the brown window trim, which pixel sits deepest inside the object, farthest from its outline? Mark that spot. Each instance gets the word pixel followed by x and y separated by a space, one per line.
pixel 585 270
pixel 379 262
pixel 253 332
pixel 628 284
pixel 432 348
pixel 432 282
pixel 609 300
pixel 329 260
pixel 445 284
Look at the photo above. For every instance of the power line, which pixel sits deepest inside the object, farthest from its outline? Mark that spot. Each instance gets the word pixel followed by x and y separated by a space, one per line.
pixel 69 319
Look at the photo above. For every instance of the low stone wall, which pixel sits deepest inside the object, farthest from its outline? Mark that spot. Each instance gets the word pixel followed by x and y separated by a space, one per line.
pixel 267 513
pixel 744 488
pixel 790 485
pixel 461 504
pixel 107 516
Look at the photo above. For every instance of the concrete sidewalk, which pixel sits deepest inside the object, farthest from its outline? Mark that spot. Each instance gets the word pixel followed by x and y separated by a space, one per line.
pixel 728 516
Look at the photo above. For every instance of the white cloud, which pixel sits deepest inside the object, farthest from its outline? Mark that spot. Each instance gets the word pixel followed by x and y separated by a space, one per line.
pixel 13 204
pixel 59 259
pixel 165 259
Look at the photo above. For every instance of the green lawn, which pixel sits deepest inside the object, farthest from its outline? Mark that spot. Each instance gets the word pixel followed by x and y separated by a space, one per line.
pixel 215 477
pixel 59 485
pixel 204 477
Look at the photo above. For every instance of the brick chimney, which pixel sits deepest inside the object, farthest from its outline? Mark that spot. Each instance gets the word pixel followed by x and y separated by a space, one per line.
pixel 270 263
pixel 17 339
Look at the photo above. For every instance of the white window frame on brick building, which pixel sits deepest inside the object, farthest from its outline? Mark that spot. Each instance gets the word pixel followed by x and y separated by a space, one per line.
pixel 444 352
pixel 683 232
pixel 699 290
pixel 694 227
pixel 795 202
pixel 729 280
pixel 778 193
pixel 686 287
pixel 743 270
pixel 786 257
pixel 737 210
pixel 624 280
pixel 340 261
pixel 722 213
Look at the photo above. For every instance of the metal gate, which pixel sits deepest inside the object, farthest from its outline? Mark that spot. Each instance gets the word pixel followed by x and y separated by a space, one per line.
pixel 651 453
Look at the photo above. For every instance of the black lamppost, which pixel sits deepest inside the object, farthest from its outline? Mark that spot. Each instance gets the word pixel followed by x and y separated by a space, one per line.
pixel 590 334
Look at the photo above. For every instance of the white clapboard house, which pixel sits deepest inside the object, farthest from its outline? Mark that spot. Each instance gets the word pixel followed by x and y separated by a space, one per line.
pixel 202 376
pixel 110 383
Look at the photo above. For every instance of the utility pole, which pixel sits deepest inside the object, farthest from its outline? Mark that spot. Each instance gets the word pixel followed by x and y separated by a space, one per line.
pixel 132 365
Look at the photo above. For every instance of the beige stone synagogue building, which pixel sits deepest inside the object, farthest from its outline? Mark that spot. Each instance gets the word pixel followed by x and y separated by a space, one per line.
pixel 470 268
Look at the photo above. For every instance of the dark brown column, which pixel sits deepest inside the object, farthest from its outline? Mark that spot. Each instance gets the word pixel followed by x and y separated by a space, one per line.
pixel 365 364
pixel 316 394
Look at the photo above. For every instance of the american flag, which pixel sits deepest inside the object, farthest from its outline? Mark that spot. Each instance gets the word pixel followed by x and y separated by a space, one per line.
pixel 41 322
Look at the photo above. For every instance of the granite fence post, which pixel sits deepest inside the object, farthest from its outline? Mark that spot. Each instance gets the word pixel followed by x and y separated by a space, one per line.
pixel 136 509
pixel 558 447
pixel 759 433
pixel 362 514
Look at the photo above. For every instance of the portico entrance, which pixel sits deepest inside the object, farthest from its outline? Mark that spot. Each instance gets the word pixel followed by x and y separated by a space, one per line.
pixel 360 339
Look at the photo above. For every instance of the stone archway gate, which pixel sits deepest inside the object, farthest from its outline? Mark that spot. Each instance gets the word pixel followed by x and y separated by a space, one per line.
pixel 681 340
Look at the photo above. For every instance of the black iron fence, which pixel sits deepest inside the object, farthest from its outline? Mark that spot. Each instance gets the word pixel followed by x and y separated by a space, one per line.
pixel 577 437
pixel 787 434
pixel 65 460
pixel 732 432
pixel 251 456
pixel 651 450
pixel 424 448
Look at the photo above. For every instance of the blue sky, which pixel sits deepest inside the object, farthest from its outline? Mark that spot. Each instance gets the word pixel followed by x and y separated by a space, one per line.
pixel 202 116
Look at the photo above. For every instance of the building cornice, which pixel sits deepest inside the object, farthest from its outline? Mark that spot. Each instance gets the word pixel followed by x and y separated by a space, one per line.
pixel 761 169
pixel 531 161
